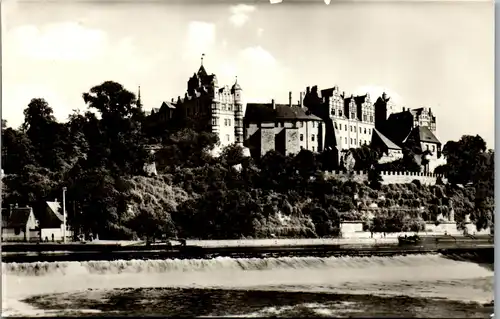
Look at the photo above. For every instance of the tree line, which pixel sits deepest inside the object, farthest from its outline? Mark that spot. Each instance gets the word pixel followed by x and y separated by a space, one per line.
pixel 99 156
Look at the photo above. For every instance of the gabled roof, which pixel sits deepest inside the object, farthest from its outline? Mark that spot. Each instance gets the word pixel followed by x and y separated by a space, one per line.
pixel 423 134
pixel 360 99
pixel 55 207
pixel 264 112
pixel 170 105
pixel 287 112
pixel 390 145
pixel 18 217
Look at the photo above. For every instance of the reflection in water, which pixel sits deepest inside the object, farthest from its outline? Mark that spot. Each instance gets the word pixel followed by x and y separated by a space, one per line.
pixel 262 287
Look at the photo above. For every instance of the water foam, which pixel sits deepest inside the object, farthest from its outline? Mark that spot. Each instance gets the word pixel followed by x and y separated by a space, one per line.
pixel 219 263
pixel 428 275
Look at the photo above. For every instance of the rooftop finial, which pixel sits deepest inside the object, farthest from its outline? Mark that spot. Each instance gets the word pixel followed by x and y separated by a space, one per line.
pixel 202 55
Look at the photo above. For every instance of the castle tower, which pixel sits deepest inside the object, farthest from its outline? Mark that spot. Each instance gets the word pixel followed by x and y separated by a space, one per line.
pixel 238 113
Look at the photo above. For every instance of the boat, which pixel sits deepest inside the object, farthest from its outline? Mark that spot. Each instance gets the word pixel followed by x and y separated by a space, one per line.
pixel 409 240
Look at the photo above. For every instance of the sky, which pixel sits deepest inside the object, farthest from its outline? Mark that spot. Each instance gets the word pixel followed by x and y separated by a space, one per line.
pixel 428 54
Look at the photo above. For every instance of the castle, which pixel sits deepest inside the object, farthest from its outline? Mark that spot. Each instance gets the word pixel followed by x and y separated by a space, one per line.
pixel 318 121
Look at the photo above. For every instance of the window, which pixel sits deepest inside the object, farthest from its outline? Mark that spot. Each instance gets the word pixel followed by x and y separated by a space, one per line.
pixel 433 148
pixel 336 125
pixel 340 112
pixel 333 111
pixel 360 130
pixel 229 122
pixel 227 137
pixel 214 122
pixel 365 130
pixel 314 123
pixel 230 107
pixel 353 115
pixel 346 140
pixel 346 127
pixel 371 118
pixel 360 142
pixel 223 107
pixel 312 137
pixel 17 230
pixel 369 131
pixel 301 124
pixel 427 147
pixel 225 122
pixel 364 117
pixel 350 126
pixel 313 148
pixel 340 125
pixel 351 140
pixel 301 137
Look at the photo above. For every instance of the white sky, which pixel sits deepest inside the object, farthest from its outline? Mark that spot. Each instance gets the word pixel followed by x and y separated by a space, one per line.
pixel 438 55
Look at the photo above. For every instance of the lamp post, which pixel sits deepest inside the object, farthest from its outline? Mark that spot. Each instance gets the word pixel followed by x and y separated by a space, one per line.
pixel 64 215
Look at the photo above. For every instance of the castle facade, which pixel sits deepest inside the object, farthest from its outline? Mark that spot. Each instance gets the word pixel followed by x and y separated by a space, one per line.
pixel 320 120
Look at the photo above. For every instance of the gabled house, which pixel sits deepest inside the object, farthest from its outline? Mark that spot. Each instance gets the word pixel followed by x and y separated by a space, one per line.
pixel 52 222
pixel 388 149
pixel 19 224
pixel 426 146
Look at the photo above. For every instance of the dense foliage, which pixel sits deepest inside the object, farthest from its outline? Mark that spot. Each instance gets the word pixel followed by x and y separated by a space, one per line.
pixel 99 156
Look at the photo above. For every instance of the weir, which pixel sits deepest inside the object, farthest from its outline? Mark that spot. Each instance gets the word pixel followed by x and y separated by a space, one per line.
pixel 194 252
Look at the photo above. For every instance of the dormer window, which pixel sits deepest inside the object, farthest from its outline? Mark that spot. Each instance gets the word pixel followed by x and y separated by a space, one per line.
pixel 352 115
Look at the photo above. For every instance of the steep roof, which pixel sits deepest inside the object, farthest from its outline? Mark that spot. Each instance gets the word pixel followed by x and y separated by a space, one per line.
pixel 284 111
pixel 18 216
pixel 54 208
pixel 264 112
pixel 390 145
pixel 424 134
pixel 170 105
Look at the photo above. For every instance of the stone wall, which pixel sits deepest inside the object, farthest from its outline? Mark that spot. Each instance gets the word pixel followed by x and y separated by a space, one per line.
pixel 267 140
pixel 387 177
pixel 292 145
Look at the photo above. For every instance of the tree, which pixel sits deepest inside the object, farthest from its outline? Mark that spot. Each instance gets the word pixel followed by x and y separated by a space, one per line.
pixel 365 157
pixel 118 136
pixel 374 179
pixel 463 158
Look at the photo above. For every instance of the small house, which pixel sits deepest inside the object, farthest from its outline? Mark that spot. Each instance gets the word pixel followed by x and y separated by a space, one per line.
pixel 52 222
pixel 19 224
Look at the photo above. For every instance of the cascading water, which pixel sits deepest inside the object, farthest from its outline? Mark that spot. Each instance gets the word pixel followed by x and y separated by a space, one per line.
pixel 428 276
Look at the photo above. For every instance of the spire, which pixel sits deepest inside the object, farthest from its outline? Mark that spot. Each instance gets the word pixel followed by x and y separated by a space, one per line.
pixel 236 86
pixel 201 72
pixel 139 104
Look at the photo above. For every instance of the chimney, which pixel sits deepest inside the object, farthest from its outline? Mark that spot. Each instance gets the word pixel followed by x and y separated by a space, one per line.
pixel 55 200
pixel 430 111
pixel 172 100
pixel 308 90
pixel 403 108
pixel 301 99
pixel 272 104
pixel 290 98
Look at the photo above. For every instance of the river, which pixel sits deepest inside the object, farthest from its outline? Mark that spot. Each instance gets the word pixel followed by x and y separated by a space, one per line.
pixel 427 285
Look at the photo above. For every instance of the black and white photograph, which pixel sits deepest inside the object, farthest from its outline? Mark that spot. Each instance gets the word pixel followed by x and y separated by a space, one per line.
pixel 265 158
